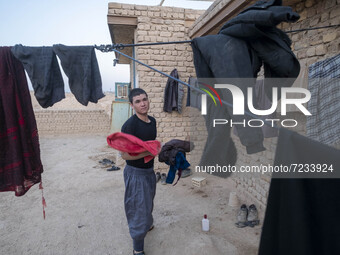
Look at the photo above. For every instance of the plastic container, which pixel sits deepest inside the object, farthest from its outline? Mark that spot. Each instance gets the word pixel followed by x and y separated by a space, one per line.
pixel 205 223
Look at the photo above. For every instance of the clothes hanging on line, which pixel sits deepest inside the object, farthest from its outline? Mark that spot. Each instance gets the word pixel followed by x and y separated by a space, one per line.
pixel 219 148
pixel 173 94
pixel 302 213
pixel 81 67
pixel 262 102
pixel 43 70
pixel 79 64
pixel 240 48
pixel 193 97
pixel 324 86
pixel 20 163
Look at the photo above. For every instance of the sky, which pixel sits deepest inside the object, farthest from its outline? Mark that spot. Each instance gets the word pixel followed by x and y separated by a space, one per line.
pixel 76 22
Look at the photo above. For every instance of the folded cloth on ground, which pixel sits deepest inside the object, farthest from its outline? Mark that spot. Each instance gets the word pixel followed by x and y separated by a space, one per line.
pixel 133 145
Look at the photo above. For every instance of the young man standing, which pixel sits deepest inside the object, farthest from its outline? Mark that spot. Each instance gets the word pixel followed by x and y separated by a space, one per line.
pixel 139 177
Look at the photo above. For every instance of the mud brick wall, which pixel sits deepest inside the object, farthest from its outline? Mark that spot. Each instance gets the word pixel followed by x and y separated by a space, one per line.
pixel 56 122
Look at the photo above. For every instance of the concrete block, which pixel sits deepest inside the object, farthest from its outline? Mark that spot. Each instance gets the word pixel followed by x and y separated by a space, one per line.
pixel 115 6
pixel 311 52
pixel 335 13
pixel 320 50
pixel 329 4
pixel 165 34
pixel 309 3
pixel 141 7
pixel 128 6
pixel 330 37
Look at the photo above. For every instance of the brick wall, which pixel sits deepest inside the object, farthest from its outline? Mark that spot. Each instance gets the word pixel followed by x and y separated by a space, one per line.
pixel 56 122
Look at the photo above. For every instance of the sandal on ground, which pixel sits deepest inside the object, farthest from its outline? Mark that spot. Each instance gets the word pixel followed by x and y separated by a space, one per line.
pixel 113 168
pixel 138 252
pixel 151 228
pixel 106 161
pixel 158 176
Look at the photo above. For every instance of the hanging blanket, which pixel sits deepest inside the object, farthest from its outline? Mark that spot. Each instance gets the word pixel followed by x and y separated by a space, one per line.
pixel 20 164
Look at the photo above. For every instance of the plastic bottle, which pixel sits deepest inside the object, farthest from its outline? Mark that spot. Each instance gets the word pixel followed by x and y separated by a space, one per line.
pixel 205 223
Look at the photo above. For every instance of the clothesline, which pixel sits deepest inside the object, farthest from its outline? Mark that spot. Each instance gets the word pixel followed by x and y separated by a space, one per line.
pixel 120 46
pixel 191 87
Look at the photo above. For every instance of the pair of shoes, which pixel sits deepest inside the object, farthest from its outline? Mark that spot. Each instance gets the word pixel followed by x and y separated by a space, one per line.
pixel 158 176
pixel 113 168
pixel 185 173
pixel 247 217
pixel 138 252
pixel 253 216
pixel 163 178
pixel 106 161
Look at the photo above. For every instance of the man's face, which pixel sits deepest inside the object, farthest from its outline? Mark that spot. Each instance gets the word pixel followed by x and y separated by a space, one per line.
pixel 140 104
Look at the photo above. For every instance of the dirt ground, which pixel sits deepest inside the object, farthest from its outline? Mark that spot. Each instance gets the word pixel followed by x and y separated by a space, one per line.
pixel 85 210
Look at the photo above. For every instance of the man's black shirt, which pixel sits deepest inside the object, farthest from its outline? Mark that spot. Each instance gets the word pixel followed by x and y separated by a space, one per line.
pixel 144 131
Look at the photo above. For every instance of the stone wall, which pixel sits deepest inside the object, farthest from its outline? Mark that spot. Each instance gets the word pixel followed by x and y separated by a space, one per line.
pixel 56 122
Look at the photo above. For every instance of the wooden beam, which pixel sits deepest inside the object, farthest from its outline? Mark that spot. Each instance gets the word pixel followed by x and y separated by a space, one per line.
pixel 121 20
pixel 221 17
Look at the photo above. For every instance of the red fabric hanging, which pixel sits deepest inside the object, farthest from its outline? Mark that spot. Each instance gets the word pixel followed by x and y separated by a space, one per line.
pixel 20 164
pixel 133 145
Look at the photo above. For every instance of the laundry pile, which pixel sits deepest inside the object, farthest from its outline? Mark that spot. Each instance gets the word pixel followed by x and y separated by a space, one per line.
pixel 173 153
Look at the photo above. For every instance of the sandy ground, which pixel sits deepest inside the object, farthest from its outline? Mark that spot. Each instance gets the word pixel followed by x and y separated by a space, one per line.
pixel 85 211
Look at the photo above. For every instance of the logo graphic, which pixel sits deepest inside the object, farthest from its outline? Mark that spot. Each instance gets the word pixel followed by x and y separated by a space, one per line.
pixel 239 103
pixel 238 99
pixel 204 97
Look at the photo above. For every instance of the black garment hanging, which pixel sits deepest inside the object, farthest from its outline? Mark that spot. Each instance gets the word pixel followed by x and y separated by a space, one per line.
pixel 302 215
pixel 240 48
pixel 43 69
pixel 81 67
pixel 173 94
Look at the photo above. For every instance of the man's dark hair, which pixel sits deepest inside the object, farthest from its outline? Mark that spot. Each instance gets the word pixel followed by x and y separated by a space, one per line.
pixel 136 92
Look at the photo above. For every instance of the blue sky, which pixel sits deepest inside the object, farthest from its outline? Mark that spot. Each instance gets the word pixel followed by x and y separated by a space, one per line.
pixel 76 22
